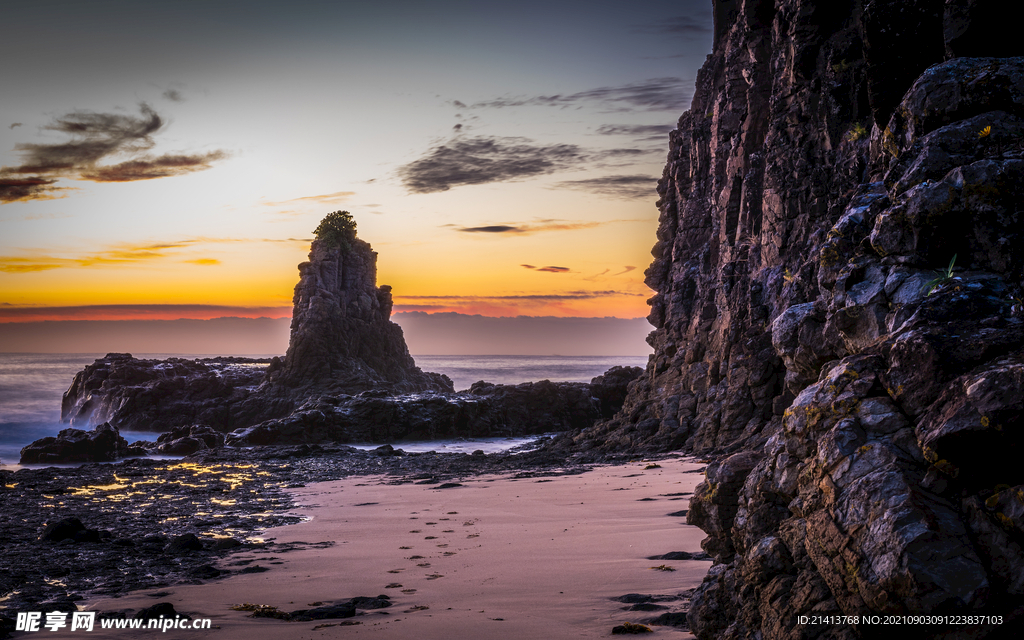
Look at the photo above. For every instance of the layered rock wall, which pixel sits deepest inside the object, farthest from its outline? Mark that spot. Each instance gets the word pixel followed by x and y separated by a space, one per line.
pixel 861 388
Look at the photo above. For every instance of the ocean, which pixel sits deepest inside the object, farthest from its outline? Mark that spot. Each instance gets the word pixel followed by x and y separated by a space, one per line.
pixel 31 386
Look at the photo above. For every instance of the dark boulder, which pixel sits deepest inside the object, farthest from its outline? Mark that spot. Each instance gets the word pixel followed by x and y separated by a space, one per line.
pixel 71 529
pixel 185 441
pixel 102 444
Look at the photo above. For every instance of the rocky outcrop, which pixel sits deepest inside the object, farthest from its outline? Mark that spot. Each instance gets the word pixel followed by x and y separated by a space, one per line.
pixel 838 279
pixel 159 395
pixel 102 444
pixel 342 341
pixel 484 411
pixel 342 338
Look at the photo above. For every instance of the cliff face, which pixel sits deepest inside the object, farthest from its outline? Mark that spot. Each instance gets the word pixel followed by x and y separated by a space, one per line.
pixel 342 338
pixel 864 401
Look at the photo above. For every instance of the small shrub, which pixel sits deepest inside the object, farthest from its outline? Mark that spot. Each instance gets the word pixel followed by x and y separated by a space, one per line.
pixel 856 132
pixel 337 229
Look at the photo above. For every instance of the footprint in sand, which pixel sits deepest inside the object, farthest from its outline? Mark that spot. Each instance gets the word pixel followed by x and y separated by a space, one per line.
pixel 423 564
pixel 434 576
pixel 430 538
pixel 416 531
pixel 408 591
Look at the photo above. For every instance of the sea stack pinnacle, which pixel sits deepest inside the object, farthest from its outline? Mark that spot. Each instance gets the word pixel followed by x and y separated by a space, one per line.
pixel 342 339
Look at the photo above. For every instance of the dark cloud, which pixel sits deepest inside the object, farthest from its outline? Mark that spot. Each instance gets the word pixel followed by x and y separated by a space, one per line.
pixel 174 95
pixel 34 188
pixel 642 131
pixel 163 166
pixel 629 187
pixel 625 269
pixel 554 269
pixel 528 228
pixel 482 160
pixel 496 228
pixel 14 124
pixel 677 26
pixel 527 266
pixel 622 153
pixel 94 137
pixel 655 94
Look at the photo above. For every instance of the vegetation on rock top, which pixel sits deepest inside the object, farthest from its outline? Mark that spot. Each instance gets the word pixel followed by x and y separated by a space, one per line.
pixel 337 229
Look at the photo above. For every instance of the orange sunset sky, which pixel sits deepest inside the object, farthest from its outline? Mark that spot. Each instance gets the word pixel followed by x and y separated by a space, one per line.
pixel 167 160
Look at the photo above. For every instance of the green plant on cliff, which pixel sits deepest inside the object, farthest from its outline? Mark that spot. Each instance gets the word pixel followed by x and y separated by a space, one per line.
pixel 944 277
pixel 856 132
pixel 337 229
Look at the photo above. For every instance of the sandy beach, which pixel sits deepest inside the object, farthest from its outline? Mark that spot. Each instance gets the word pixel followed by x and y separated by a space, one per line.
pixel 493 557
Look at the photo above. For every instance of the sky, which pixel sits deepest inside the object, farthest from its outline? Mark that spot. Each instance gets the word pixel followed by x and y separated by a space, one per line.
pixel 163 160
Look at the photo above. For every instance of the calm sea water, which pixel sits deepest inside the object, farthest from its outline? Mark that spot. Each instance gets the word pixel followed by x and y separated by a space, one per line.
pixel 31 386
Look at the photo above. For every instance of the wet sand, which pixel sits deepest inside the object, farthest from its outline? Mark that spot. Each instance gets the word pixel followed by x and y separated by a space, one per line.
pixel 494 557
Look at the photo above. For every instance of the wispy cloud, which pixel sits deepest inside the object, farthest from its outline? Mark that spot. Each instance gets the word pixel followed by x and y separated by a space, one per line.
pixel 93 138
pixel 525 228
pixel 568 295
pixel 655 94
pixel 626 187
pixel 15 313
pixel 480 160
pixel 326 198
pixel 174 95
pixel 164 166
pixel 14 124
pixel 495 228
pixel 676 26
pixel 554 269
pixel 646 132
pixel 126 254
pixel 547 269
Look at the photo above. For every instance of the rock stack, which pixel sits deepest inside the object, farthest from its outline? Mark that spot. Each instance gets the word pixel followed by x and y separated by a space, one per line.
pixel 342 338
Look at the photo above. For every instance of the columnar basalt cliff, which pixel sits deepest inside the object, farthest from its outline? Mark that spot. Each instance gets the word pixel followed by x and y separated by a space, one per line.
pixel 837 316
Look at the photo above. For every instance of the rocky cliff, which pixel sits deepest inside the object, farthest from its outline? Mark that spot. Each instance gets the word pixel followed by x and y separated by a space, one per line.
pixel 838 318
